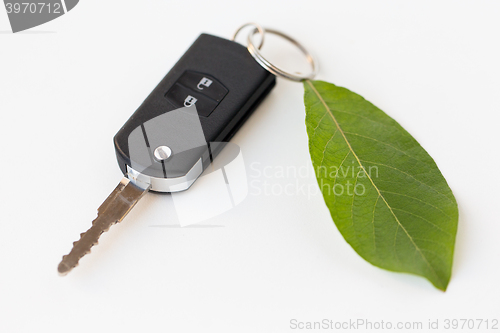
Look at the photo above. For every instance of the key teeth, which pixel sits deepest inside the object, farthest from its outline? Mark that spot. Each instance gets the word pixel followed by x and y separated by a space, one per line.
pixel 81 236
pixel 127 195
pixel 63 267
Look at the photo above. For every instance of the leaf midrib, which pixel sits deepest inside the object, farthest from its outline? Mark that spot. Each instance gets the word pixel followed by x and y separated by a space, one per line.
pixel 327 108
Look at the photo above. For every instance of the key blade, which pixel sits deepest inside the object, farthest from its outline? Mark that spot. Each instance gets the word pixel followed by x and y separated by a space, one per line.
pixel 113 210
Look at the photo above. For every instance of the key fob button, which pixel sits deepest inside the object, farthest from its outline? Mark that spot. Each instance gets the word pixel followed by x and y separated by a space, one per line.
pixel 205 84
pixel 181 96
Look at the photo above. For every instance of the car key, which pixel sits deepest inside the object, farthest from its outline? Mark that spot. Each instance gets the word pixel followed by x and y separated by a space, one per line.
pixel 166 144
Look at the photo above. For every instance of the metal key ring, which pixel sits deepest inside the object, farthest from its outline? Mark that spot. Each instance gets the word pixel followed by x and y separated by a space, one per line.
pixel 276 70
pixel 257 28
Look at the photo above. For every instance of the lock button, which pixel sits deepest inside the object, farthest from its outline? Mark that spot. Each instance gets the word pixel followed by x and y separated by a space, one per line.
pixel 181 96
pixel 205 84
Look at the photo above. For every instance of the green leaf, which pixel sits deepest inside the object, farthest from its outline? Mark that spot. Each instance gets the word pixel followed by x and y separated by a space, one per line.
pixel 384 192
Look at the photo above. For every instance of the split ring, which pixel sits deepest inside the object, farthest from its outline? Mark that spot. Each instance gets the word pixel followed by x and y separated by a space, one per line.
pixel 274 69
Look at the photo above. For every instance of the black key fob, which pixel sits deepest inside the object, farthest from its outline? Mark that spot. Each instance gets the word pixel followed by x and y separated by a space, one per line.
pixel 205 98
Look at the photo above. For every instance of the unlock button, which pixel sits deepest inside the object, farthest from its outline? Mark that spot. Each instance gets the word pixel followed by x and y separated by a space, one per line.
pixel 205 84
pixel 181 96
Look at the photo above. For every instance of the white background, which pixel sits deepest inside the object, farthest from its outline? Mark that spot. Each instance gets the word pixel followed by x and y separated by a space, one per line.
pixel 67 86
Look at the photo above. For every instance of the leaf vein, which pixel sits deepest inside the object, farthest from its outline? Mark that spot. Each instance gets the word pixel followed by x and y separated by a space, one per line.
pixel 422 218
pixel 408 196
pixel 373 223
pixel 386 144
pixel 353 196
pixel 326 146
pixel 360 116
pixel 421 182
pixel 336 176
